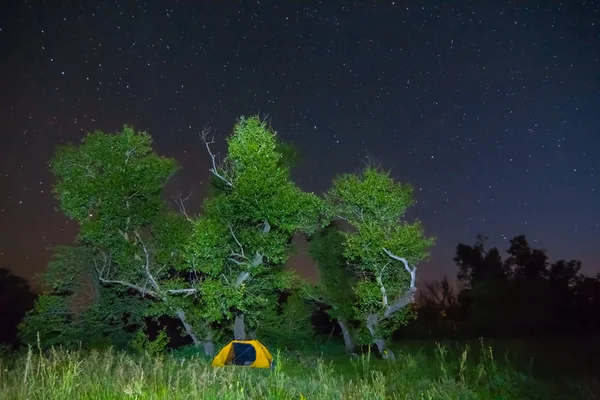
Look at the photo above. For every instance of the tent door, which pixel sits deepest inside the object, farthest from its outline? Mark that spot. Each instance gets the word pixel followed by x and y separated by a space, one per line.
pixel 243 354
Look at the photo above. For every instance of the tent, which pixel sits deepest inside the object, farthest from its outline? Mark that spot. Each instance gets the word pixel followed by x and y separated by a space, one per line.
pixel 248 353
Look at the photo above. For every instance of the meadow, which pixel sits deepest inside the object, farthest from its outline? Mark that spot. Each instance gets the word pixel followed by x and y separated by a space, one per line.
pixel 423 370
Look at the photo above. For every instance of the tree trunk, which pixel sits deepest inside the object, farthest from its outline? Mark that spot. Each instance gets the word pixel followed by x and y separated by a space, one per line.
pixel 188 327
pixel 348 343
pixel 239 327
pixel 209 346
pixel 385 353
pixel 372 322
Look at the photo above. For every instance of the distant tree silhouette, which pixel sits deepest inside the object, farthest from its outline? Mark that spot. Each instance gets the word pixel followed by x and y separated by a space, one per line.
pixel 524 294
pixel 16 297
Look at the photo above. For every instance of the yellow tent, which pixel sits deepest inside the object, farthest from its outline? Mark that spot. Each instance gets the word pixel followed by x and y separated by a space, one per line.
pixel 249 353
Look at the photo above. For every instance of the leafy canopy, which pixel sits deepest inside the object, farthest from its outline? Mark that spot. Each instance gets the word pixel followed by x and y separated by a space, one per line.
pixel 373 205
pixel 243 237
pixel 111 184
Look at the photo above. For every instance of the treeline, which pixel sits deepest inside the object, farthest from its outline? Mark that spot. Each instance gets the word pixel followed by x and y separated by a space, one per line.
pixel 522 294
pixel 145 272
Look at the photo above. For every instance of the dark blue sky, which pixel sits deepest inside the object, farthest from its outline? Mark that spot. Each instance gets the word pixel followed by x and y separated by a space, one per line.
pixel 490 109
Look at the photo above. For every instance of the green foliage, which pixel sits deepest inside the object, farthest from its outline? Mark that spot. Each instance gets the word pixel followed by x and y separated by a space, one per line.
pixel 336 277
pixel 50 319
pixel 111 184
pixel 170 234
pixel 67 267
pixel 371 195
pixel 143 345
pixel 77 310
pixel 373 204
pixel 243 236
pixel 291 326
pixel 105 323
pixel 290 157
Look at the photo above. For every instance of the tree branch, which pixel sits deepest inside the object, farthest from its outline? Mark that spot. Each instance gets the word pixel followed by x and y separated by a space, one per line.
pixel 409 296
pixel 180 202
pixel 242 255
pixel 147 266
pixel 383 292
pixel 188 291
pixel 214 169
pixel 153 293
pixel 143 291
pixel 242 277
pixel 412 271
pixel 258 259
pixel 188 328
pixel 266 227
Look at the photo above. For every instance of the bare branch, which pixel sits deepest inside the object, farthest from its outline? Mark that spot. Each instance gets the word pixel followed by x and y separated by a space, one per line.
pixel 342 218
pixel 412 271
pixel 207 142
pixel 320 299
pixel 266 227
pixel 242 277
pixel 188 292
pixel 188 328
pixel 180 201
pixel 409 295
pixel 147 265
pixel 383 292
pixel 143 291
pixel 226 280
pixel 241 255
pixel 102 271
pixel 258 259
pixel 400 303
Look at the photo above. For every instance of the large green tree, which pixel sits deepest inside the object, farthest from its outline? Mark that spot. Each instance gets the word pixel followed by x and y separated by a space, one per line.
pixel 243 236
pixel 381 247
pixel 113 186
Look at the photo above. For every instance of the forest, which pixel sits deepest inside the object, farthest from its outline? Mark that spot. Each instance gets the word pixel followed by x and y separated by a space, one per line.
pixel 153 291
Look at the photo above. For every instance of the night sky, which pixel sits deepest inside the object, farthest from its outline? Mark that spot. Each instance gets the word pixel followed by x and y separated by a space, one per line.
pixel 491 109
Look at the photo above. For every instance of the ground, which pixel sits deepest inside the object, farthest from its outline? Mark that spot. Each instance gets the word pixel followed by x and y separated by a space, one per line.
pixel 517 369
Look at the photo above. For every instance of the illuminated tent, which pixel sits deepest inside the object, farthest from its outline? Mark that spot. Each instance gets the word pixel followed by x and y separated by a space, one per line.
pixel 248 353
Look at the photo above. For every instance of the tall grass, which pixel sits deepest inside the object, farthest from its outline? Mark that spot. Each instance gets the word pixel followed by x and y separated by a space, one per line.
pixel 109 374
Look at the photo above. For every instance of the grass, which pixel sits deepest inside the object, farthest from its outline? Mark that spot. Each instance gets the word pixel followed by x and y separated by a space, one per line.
pixel 466 373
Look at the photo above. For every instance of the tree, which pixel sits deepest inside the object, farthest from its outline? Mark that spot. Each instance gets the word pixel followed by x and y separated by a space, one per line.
pixel 476 264
pixel 522 295
pixel 527 264
pixel 380 247
pixel 113 186
pixel 243 237
pixel 16 297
